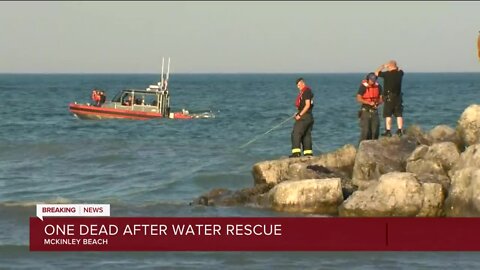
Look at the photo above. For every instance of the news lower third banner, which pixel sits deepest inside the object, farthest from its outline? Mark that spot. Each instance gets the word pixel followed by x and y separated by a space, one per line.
pixel 51 231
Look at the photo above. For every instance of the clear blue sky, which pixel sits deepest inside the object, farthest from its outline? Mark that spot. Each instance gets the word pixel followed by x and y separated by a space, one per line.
pixel 231 37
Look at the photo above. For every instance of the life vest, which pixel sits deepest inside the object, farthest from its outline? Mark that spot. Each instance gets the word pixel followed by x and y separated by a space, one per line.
pixel 95 96
pixel 299 97
pixel 372 92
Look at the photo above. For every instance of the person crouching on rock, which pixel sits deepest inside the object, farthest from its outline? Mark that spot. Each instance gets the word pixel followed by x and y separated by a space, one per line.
pixel 370 96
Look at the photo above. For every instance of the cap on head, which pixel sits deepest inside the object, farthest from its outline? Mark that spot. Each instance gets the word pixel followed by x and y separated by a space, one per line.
pixel 371 76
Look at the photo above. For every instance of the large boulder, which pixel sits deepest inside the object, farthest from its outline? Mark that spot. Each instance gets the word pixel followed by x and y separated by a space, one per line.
pixel 415 132
pixel 468 126
pixel 418 164
pixel 440 133
pixel 444 133
pixel 469 158
pixel 322 196
pixel 443 180
pixel 276 171
pixel 396 194
pixel 436 159
pixel 464 194
pixel 377 157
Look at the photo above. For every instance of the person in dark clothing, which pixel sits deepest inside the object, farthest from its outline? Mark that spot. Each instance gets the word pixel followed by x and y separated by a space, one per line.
pixel 127 100
pixel 302 129
pixel 103 98
pixel 370 96
pixel 392 85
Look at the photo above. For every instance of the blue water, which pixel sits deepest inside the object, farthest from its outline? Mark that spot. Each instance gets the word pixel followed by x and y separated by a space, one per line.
pixel 156 167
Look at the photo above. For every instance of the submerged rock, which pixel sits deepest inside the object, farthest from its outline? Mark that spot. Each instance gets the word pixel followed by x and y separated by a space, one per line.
pixel 226 197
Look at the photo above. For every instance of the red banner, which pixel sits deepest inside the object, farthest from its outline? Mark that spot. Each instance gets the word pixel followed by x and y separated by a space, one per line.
pixel 253 234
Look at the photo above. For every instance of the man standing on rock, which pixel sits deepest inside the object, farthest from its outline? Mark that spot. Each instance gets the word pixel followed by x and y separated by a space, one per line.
pixel 370 96
pixel 302 129
pixel 392 96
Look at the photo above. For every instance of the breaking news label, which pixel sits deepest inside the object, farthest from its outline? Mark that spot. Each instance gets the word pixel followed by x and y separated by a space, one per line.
pixel 89 227
pixel 72 210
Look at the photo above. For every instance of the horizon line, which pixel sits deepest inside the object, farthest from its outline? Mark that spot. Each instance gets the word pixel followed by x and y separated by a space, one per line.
pixel 209 73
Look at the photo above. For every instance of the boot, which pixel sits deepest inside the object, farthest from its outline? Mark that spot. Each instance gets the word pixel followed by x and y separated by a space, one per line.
pixel 294 155
pixel 387 133
pixel 399 132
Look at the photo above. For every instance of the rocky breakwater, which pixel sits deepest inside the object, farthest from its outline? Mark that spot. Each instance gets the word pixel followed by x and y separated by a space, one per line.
pixel 421 174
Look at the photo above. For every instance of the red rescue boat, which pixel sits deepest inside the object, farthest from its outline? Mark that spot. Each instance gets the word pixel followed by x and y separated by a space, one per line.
pixel 131 104
pixel 152 102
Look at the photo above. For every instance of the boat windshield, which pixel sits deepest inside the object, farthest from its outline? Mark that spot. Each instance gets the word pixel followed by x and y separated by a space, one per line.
pixel 140 98
pixel 117 97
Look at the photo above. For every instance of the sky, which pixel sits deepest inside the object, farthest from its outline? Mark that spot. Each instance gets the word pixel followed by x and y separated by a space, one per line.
pixel 238 36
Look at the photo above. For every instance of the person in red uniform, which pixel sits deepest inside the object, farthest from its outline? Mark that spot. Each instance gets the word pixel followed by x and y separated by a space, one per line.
pixel 370 96
pixel 95 97
pixel 302 129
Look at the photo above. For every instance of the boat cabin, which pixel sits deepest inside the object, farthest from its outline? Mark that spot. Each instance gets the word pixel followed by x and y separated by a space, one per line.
pixel 150 100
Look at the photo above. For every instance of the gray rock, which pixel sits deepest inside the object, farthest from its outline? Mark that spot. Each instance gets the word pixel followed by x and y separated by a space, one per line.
pixel 433 201
pixel 443 180
pixel 276 171
pixel 416 133
pixel 377 157
pixel 469 158
pixel 423 166
pixel 446 153
pixel 468 126
pixel 444 133
pixel 464 194
pixel 396 194
pixel 321 196
pixel 436 159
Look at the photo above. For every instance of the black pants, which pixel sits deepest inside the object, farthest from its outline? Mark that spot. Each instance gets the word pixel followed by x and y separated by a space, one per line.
pixel 302 134
pixel 369 125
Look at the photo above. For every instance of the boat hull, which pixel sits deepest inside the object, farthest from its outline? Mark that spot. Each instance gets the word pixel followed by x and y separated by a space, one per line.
pixel 89 112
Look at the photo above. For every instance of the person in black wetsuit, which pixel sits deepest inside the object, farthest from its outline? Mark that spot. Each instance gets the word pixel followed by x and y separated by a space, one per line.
pixel 392 95
pixel 302 129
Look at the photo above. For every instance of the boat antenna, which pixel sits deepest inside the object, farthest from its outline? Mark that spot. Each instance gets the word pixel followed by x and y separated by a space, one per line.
pixel 161 77
pixel 168 74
